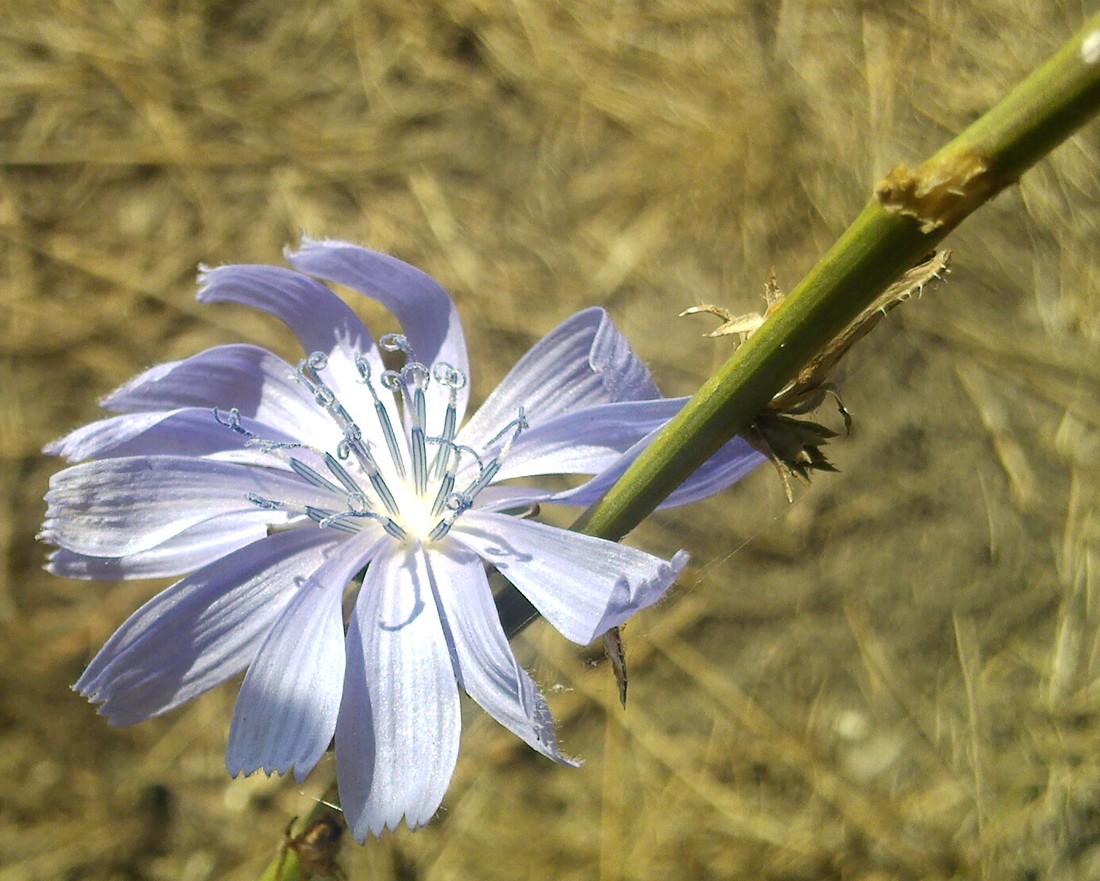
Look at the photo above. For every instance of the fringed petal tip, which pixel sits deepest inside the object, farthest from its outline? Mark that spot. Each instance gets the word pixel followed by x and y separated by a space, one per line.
pixel 80 687
pixel 91 690
pixel 298 771
pixel 66 564
pixel 627 599
pixel 582 585
pixel 95 688
pixel 306 241
pixel 55 447
pixel 379 826
pixel 115 717
pixel 240 769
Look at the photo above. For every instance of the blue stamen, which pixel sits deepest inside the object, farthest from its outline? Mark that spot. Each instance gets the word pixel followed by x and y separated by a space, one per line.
pixel 419 460
pixel 310 476
pixel 261 502
pixel 383 417
pixel 484 479
pixel 340 474
pixel 232 421
pixel 383 491
pixel 327 519
pixel 445 489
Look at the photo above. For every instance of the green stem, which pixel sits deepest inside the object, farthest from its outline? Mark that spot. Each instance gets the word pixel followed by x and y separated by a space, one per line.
pixel 910 213
pixel 283 868
pixel 884 241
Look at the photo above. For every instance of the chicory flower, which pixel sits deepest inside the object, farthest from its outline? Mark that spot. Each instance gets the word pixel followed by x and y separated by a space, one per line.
pixel 271 488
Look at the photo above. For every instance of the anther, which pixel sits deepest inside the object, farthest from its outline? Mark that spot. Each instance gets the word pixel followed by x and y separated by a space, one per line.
pixel 329 520
pixel 446 486
pixel 340 474
pixel 449 378
pixel 261 502
pixel 383 417
pixel 484 479
pixel 310 476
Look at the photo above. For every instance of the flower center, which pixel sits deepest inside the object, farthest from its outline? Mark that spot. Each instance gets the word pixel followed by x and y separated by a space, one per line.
pixel 414 484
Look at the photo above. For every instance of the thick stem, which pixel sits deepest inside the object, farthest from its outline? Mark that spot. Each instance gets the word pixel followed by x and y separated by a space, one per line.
pixel 909 214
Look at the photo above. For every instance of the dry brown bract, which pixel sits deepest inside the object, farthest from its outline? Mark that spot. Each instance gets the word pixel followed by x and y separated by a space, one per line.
pixel 794 444
pixel 316 847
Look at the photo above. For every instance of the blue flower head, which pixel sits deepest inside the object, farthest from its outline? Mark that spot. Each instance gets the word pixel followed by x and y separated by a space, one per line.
pixel 270 487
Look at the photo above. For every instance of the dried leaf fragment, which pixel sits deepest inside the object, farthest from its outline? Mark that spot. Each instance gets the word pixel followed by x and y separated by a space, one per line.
pixel 940 192
pixel 743 326
pixel 795 445
pixel 616 652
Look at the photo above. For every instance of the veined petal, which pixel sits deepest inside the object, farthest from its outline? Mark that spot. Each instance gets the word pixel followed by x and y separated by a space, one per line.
pixel 511 497
pixel 320 319
pixel 583 362
pixel 201 630
pixel 117 507
pixel 257 383
pixel 398 731
pixel 286 711
pixel 585 441
pixel 486 667
pixel 734 460
pixel 191 431
pixel 192 549
pixel 427 314
pixel 584 586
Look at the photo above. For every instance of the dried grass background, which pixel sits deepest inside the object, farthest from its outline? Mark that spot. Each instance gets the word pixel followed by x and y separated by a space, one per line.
pixel 896 677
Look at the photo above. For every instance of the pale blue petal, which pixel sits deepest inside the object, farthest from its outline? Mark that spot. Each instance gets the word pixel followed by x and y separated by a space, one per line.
pixel 322 322
pixel 585 441
pixel 487 669
pixel 584 586
pixel 511 498
pixel 733 461
pixel 583 362
pixel 398 731
pixel 201 630
pixel 320 319
pixel 117 507
pixel 191 431
pixel 427 314
pixel 192 549
pixel 249 378
pixel 286 711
